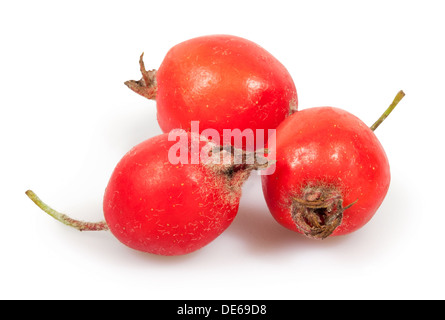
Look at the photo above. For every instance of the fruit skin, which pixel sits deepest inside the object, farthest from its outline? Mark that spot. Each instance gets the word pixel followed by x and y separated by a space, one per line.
pixel 331 149
pixel 222 81
pixel 158 207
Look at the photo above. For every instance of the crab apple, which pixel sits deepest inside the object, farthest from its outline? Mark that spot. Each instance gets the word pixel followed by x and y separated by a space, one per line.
pixel 222 81
pixel 157 204
pixel 331 172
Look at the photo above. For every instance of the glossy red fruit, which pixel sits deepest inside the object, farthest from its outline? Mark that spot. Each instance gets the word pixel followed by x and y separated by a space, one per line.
pixel 331 173
pixel 155 204
pixel 222 81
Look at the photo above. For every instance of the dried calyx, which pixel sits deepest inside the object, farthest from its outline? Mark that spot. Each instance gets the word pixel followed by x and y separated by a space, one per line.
pixel 147 86
pixel 319 211
pixel 239 159
pixel 235 164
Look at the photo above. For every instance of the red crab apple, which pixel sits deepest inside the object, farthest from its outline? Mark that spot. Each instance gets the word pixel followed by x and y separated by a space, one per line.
pixel 331 172
pixel 222 81
pixel 158 204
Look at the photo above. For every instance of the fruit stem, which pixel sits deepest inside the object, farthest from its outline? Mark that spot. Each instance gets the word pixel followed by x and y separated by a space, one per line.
pixel 385 114
pixel 77 224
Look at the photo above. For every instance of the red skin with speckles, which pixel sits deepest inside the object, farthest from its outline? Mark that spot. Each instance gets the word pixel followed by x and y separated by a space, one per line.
pixel 158 207
pixel 326 149
pixel 222 81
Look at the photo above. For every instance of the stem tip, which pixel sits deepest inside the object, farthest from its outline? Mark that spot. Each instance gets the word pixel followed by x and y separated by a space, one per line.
pixel 385 114
pixel 77 224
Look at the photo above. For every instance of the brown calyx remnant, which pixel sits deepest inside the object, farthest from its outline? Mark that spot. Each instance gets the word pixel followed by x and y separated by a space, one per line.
pixel 147 86
pixel 293 106
pixel 241 159
pixel 235 165
pixel 319 211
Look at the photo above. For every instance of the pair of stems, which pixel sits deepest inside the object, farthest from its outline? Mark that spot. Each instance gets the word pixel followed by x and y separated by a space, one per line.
pixel 102 225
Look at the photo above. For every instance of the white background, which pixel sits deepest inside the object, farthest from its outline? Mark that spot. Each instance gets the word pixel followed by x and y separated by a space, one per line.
pixel 67 118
